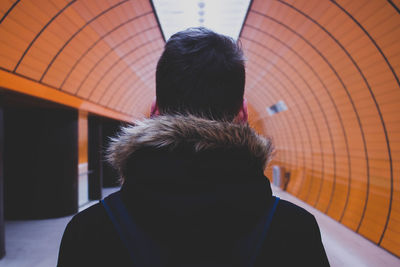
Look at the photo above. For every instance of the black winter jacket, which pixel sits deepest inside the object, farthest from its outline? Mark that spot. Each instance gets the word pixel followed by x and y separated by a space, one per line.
pixel 197 188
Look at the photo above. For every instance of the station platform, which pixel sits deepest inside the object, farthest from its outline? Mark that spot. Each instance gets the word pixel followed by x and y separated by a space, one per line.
pixel 36 243
pixel 320 79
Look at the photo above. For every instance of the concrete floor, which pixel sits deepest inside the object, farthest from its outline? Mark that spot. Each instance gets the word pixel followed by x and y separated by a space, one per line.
pixel 36 243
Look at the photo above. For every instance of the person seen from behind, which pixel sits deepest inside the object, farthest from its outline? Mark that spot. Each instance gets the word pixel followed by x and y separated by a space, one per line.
pixel 193 186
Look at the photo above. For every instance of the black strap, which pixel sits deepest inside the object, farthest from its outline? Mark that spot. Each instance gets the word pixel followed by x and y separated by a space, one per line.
pixel 264 232
pixel 142 249
pixel 248 249
pixel 145 252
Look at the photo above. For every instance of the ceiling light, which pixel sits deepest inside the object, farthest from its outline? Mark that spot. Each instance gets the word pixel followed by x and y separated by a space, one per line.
pixel 222 16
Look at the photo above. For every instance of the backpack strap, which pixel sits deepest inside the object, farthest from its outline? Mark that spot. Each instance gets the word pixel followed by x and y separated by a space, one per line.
pixel 264 232
pixel 143 251
pixel 249 248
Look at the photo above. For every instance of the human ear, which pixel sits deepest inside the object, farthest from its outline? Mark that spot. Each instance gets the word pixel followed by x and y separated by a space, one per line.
pixel 154 111
pixel 243 115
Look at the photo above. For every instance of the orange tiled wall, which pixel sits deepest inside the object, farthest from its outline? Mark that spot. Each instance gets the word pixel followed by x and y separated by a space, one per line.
pixel 103 51
pixel 336 65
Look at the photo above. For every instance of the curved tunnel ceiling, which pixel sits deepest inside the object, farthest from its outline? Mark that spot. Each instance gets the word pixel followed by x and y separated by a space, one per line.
pixel 101 51
pixel 335 64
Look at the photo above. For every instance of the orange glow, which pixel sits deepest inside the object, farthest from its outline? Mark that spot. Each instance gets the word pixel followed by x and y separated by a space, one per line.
pixel 22 85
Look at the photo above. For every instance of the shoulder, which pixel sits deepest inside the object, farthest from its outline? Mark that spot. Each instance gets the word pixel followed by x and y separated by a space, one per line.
pixel 85 226
pixel 90 239
pixel 294 222
pixel 290 213
pixel 92 225
pixel 93 215
pixel 294 231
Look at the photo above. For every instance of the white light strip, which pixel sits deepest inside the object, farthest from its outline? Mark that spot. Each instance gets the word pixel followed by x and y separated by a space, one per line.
pixel 222 16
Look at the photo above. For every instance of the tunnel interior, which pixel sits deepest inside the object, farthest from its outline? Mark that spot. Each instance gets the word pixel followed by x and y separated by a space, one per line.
pixel 322 80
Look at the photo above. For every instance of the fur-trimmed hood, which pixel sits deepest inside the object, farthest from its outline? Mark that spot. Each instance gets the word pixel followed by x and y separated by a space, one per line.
pixel 172 131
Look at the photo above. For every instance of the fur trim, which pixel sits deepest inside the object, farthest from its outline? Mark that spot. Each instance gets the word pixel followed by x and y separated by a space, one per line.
pixel 174 130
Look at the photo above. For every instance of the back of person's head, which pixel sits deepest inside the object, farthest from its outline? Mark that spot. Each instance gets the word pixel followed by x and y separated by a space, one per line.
pixel 202 73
